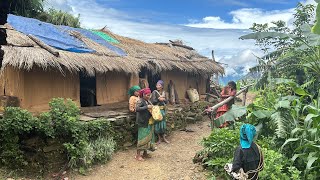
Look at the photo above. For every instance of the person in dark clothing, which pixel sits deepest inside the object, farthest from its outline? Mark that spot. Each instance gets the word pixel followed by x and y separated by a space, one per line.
pixel 248 155
pixel 145 125
pixel 158 98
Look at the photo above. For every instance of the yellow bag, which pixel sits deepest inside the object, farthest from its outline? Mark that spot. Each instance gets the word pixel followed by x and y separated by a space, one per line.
pixel 156 113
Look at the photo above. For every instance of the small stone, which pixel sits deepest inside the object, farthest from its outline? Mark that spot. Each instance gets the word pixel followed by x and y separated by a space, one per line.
pixel 122 166
pixel 128 144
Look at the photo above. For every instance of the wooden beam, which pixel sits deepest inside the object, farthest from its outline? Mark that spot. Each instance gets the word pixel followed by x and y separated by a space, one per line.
pixel 43 45
pixel 213 108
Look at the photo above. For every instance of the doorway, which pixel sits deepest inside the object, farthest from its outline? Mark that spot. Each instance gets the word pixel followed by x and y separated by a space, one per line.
pixel 88 91
pixel 151 78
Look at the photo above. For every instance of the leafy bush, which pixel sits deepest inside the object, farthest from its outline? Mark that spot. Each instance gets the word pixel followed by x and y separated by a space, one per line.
pixel 219 148
pixel 15 124
pixel 276 166
pixel 85 142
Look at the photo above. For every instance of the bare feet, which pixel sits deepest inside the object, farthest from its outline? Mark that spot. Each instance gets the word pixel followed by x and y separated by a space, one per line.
pixel 139 158
pixel 165 140
pixel 159 142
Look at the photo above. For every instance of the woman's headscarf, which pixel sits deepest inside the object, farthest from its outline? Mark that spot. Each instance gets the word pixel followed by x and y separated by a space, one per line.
pixel 133 89
pixel 247 133
pixel 144 91
pixel 161 83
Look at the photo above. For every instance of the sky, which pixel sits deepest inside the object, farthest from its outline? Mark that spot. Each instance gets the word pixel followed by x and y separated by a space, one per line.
pixel 203 24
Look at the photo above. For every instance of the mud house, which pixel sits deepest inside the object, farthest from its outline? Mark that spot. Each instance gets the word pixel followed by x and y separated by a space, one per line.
pixel 42 61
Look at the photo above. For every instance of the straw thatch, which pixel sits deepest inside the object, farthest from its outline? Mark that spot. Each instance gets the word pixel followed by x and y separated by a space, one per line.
pixel 166 56
pixel 23 53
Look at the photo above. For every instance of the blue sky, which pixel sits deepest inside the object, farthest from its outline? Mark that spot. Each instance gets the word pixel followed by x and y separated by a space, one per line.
pixel 203 24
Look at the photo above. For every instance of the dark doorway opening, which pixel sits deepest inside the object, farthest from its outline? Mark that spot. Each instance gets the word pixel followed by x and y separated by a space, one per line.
pixel 151 78
pixel 88 96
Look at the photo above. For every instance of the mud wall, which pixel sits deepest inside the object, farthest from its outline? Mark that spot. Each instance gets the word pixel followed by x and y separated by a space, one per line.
pixel 37 87
pixel 183 81
pixel 112 87
pixel 40 87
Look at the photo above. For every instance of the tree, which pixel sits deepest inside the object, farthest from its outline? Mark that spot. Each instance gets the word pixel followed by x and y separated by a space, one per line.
pixel 34 9
pixel 26 8
pixel 59 17
pixel 285 45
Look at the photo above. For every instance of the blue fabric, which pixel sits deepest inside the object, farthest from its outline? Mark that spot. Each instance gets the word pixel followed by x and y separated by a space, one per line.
pixel 96 39
pixel 247 133
pixel 48 34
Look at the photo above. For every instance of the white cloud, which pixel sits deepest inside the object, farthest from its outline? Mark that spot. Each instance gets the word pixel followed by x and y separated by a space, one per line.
pixel 240 62
pixel 223 39
pixel 244 18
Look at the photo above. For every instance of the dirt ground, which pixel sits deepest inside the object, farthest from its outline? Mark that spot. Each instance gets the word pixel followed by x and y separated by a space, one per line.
pixel 169 161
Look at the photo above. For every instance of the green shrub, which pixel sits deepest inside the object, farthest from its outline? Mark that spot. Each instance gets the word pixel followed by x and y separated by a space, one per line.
pixel 219 148
pixel 85 142
pixel 16 123
pixel 276 166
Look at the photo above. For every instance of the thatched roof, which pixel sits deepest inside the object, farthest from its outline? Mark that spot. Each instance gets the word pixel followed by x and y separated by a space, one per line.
pixel 23 53
pixel 165 56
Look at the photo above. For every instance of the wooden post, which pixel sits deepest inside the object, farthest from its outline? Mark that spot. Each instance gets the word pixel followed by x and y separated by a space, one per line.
pixel 244 98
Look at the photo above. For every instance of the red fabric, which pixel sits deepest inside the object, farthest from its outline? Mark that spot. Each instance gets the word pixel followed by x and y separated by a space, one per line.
pixel 221 110
pixel 233 92
pixel 144 91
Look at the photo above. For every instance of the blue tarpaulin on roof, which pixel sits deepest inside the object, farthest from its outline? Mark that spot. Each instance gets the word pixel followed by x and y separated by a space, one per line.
pixel 48 33
pixel 96 39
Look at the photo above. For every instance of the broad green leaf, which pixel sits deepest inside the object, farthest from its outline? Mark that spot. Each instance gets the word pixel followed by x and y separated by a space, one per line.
pixel 283 80
pixel 300 91
pixel 316 27
pixel 261 114
pixel 295 130
pixel 232 114
pixel 289 140
pixel 307 120
pixel 296 156
pixel 283 104
pixel 262 35
pixel 290 98
pixel 317 146
pixel 311 160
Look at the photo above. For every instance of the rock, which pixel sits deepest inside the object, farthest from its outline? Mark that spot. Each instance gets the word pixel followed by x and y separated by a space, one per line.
pixel 122 166
pixel 86 118
pixel 112 119
pixel 128 144
pixel 119 122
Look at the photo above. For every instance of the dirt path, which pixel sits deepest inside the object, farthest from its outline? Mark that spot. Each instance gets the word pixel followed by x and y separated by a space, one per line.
pixel 173 161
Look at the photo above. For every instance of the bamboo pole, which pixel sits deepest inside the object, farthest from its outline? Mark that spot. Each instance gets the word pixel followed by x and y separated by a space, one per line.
pixel 213 108
pixel 43 45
